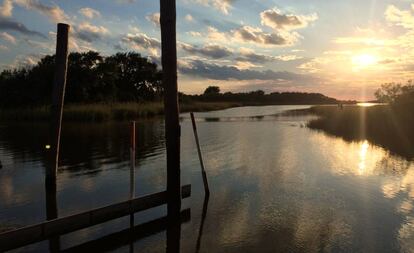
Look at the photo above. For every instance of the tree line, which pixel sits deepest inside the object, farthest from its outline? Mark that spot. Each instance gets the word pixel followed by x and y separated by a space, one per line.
pixel 259 97
pixel 123 77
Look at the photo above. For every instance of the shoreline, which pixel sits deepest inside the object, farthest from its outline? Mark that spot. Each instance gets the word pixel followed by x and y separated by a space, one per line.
pixel 117 111
pixel 106 112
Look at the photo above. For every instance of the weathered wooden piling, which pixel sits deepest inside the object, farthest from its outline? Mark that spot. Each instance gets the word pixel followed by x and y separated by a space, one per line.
pixel 200 156
pixel 61 61
pixel 171 110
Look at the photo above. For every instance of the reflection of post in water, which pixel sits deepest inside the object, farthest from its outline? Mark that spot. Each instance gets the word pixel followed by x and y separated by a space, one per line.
pixel 173 232
pixel 52 213
pixel 132 181
pixel 203 218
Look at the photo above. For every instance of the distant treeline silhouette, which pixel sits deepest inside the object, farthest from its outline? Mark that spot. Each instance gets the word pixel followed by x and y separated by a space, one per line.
pixel 119 78
pixel 258 97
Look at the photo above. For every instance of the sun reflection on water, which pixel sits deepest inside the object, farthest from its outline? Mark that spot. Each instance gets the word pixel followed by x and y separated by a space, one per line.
pixel 363 157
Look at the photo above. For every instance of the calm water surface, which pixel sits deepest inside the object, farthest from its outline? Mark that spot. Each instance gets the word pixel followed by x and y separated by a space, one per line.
pixel 276 185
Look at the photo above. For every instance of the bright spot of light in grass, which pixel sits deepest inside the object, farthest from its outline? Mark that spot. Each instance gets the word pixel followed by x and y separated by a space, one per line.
pixel 47 146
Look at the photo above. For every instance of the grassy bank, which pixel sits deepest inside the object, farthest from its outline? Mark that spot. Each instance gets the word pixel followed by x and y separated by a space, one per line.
pixel 105 112
pixel 388 126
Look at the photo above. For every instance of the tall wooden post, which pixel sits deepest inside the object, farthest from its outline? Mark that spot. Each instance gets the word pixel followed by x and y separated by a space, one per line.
pixel 61 61
pixel 172 125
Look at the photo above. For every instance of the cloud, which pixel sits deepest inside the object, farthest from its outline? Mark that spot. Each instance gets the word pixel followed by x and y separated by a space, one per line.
pixel 194 34
pixel 142 41
pixel 399 17
pixel 24 61
pixel 6 8
pixel 18 27
pixel 214 34
pixel 255 35
pixel 277 20
pixel 189 18
pixel 43 45
pixel 89 13
pixel 222 5
pixel 211 50
pixel 154 18
pixel 126 1
pixel 222 72
pixel 54 13
pixel 248 55
pixel 250 34
pixel 7 37
pixel 89 33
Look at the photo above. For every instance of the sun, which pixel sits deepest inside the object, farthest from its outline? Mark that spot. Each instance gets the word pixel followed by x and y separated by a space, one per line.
pixel 364 60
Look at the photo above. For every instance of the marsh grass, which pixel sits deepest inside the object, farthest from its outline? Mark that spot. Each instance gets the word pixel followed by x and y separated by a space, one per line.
pixel 106 112
pixel 388 126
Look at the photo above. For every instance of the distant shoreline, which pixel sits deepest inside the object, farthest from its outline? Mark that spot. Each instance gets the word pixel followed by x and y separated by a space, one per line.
pixel 117 111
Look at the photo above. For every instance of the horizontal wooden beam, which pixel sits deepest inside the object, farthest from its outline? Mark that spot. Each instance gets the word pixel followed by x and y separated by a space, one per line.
pixel 39 232
pixel 130 235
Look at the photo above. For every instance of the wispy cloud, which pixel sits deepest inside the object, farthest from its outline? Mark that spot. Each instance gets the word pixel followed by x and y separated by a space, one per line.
pixel 223 6
pixel 215 71
pixel 210 50
pixel 88 32
pixel 154 18
pixel 54 13
pixel 8 37
pixel 141 41
pixel 89 13
pixel 278 20
pixel 6 8
pixel 11 25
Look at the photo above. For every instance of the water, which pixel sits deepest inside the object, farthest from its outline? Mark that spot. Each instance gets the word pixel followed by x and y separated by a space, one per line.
pixel 276 186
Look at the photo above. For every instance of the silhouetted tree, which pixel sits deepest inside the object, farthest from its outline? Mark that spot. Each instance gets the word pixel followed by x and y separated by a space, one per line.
pixel 391 92
pixel 212 90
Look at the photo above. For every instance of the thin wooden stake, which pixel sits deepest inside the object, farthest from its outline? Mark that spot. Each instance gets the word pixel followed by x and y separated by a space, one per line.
pixel 200 156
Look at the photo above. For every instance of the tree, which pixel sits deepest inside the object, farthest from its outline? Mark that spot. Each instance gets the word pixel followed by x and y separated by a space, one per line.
pixel 123 77
pixel 391 92
pixel 212 90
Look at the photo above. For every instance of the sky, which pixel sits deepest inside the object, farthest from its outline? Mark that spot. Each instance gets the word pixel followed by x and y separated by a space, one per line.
pixel 344 48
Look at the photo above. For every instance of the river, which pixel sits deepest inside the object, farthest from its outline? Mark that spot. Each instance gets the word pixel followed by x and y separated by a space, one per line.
pixel 276 186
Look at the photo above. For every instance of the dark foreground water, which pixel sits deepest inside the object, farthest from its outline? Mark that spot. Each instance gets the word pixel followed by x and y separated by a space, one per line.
pixel 276 186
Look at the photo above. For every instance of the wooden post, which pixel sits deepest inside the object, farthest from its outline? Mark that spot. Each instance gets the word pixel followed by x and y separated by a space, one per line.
pixel 200 156
pixel 171 111
pixel 58 100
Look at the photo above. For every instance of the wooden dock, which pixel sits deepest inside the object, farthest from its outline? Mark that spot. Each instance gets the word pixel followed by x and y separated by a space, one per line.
pixel 45 230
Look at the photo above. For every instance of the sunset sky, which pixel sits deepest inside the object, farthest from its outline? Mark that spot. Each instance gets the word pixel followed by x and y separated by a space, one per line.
pixel 344 49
